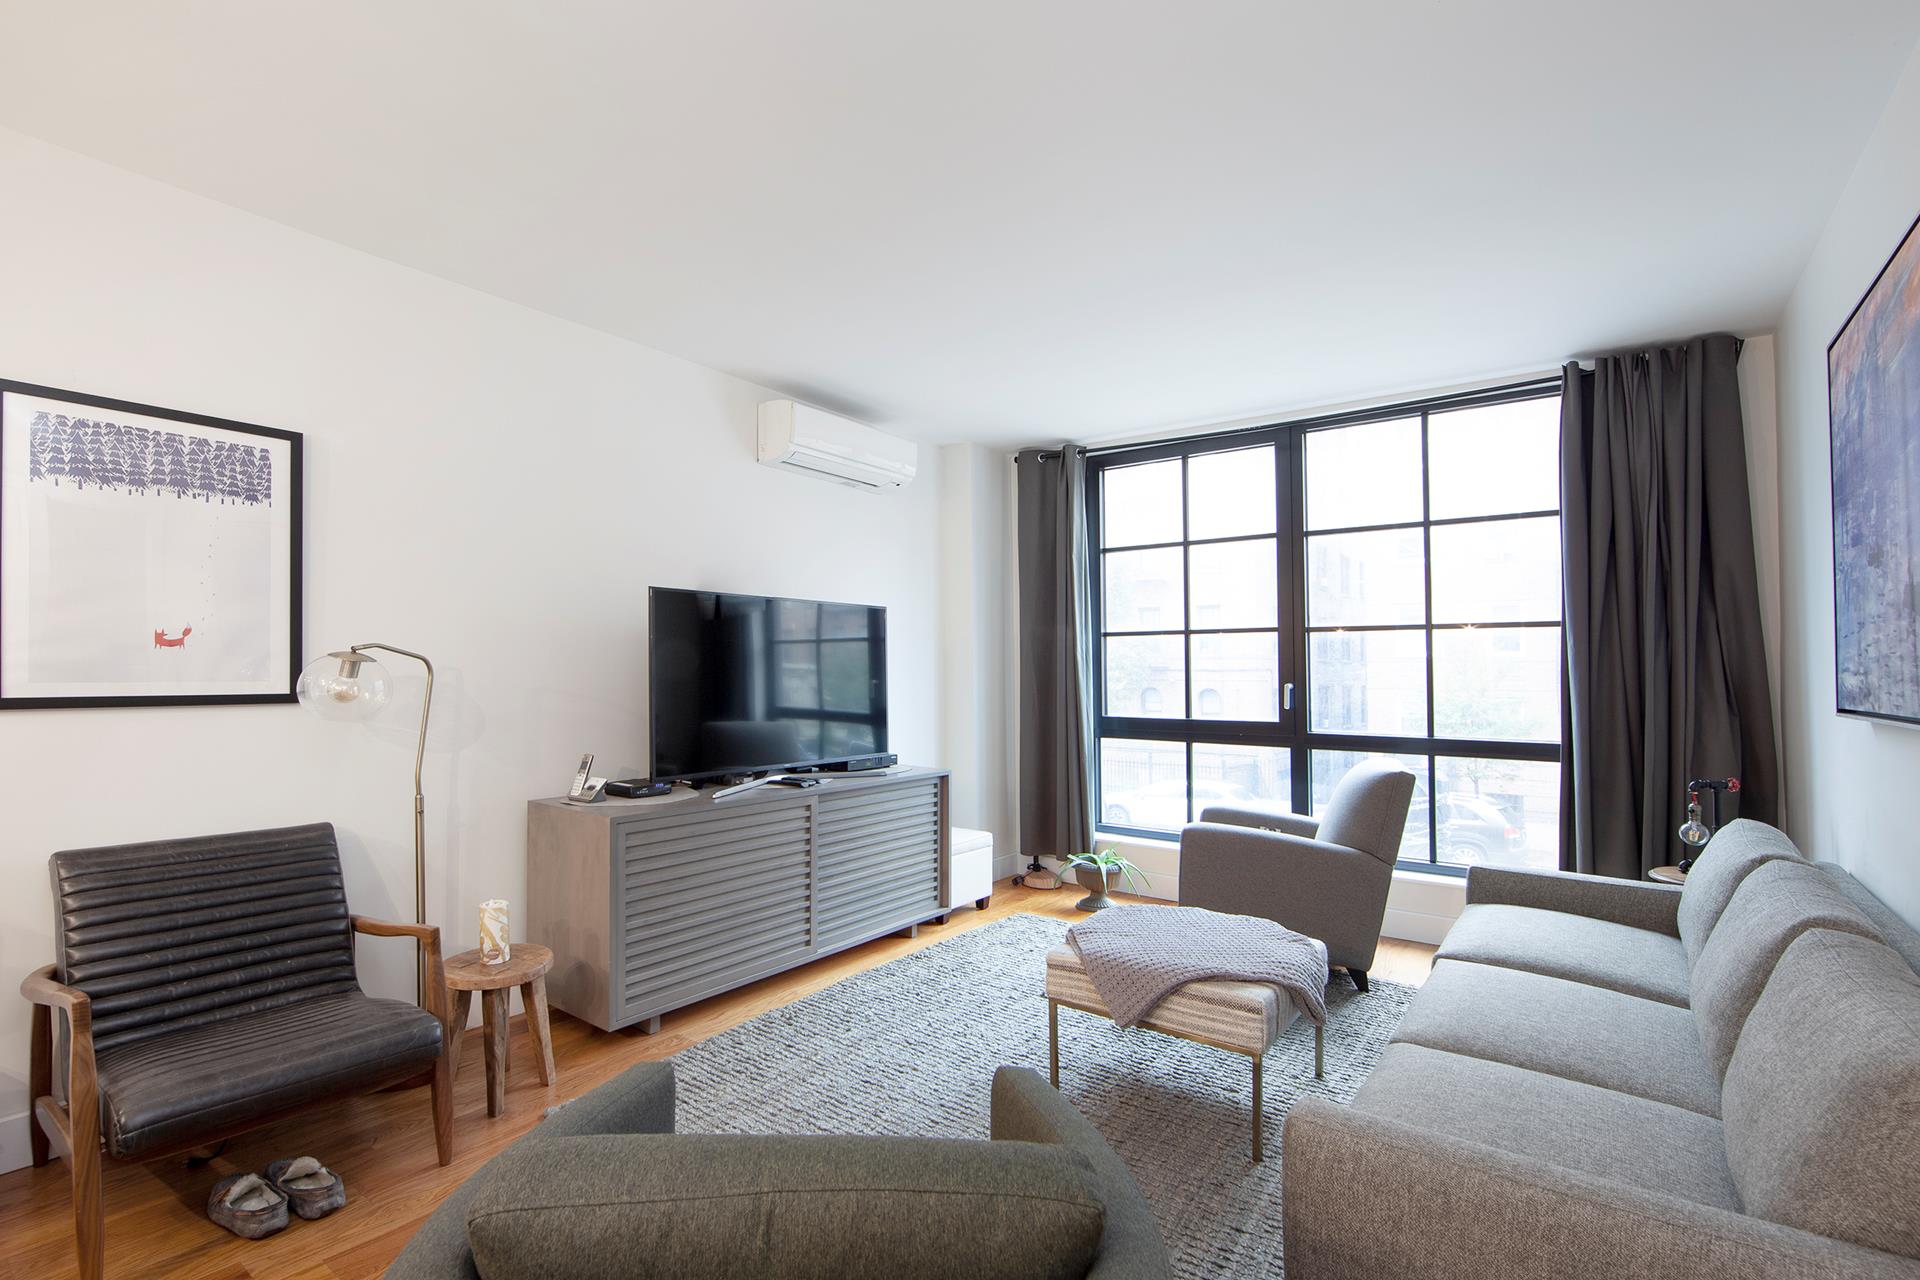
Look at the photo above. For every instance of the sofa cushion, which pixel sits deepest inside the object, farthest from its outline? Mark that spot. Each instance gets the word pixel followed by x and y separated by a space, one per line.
pixel 1570 1029
pixel 1664 1149
pixel 1735 850
pixel 1601 953
pixel 176 1087
pixel 723 1205
pixel 1822 1098
pixel 1776 903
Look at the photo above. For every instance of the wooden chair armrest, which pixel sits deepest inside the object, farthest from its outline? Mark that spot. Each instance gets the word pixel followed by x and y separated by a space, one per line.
pixel 41 988
pixel 427 934
pixel 433 999
pixel 73 1130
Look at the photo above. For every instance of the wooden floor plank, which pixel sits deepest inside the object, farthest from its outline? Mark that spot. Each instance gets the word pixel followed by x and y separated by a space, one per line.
pixel 383 1145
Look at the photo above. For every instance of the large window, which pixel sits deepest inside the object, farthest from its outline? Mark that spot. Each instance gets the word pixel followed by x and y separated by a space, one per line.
pixel 1275 605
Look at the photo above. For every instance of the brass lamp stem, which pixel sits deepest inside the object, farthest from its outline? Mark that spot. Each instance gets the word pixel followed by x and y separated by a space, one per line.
pixel 419 807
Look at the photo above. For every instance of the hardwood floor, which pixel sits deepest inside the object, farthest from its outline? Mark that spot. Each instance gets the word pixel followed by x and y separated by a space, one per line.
pixel 383 1145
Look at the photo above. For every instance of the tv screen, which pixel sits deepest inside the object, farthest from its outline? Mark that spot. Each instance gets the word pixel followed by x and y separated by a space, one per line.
pixel 747 684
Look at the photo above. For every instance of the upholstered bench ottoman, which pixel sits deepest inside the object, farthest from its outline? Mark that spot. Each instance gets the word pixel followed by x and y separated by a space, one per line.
pixel 1243 1017
pixel 969 870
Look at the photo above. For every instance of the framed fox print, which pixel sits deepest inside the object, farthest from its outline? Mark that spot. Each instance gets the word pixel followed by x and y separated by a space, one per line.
pixel 148 557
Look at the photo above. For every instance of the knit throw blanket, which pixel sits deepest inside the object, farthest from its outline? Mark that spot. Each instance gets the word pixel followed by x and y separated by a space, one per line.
pixel 1137 956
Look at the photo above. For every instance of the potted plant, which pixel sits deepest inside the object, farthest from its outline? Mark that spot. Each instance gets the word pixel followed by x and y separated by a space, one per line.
pixel 1093 871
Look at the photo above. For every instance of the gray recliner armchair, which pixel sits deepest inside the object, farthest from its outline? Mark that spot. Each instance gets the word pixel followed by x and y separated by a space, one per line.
pixel 1326 877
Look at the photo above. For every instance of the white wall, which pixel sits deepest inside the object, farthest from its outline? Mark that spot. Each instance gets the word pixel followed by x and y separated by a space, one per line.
pixel 975 497
pixel 1850 782
pixel 491 486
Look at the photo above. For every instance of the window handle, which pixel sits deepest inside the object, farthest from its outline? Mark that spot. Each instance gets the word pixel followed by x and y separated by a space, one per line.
pixel 1286 696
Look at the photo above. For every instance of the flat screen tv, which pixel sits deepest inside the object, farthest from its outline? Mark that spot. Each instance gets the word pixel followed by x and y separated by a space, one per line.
pixel 752 684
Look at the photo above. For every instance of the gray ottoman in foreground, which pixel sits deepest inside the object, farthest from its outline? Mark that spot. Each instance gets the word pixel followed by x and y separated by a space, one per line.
pixel 604 1188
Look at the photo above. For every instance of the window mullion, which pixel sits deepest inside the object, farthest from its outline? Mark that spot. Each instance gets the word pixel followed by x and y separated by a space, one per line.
pixel 1296 653
pixel 1186 608
pixel 1426 540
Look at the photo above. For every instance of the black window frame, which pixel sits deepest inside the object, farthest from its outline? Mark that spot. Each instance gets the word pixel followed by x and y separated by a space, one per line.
pixel 1290 730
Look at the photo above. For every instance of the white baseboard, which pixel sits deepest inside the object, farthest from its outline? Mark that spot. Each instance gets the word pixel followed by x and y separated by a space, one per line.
pixel 1421 907
pixel 1415 926
pixel 15 1151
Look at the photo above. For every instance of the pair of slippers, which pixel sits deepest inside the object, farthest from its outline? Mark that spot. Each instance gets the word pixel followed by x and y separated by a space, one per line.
pixel 252 1205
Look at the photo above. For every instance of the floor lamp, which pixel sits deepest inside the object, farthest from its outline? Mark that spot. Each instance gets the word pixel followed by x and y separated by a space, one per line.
pixel 349 685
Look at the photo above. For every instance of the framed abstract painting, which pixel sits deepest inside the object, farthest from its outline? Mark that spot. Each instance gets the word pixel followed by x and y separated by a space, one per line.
pixel 147 557
pixel 1873 412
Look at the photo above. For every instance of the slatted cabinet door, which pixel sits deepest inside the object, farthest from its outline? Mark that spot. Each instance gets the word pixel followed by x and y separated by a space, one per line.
pixel 652 905
pixel 877 859
pixel 708 901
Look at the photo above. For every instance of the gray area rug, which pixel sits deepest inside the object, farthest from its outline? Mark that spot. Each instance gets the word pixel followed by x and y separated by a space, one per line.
pixel 910 1048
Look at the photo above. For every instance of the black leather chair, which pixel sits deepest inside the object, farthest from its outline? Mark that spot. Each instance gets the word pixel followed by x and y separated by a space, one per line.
pixel 208 988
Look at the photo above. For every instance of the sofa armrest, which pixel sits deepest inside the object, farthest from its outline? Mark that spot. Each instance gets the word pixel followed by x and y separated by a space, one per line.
pixel 641 1100
pixel 1326 891
pixel 1293 824
pixel 1027 1109
pixel 1629 902
pixel 1535 1218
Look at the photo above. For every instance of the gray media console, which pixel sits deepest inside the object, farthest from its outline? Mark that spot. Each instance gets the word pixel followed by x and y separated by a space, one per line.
pixel 650 905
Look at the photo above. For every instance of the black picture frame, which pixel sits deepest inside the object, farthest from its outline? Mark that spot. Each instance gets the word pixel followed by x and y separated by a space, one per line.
pixel 1846 477
pixel 294 493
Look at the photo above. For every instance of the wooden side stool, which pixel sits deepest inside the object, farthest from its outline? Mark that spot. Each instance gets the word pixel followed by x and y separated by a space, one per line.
pixel 527 968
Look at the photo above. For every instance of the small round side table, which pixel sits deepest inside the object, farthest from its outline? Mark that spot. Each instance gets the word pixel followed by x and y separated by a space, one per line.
pixel 526 969
pixel 1667 875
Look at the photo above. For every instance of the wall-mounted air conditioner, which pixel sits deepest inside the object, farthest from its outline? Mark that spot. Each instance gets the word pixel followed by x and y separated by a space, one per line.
pixel 813 442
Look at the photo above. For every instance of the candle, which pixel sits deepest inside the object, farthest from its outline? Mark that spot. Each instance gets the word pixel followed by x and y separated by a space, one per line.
pixel 494 947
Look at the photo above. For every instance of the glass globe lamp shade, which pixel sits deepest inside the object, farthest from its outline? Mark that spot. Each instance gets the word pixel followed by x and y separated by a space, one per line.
pixel 1694 832
pixel 344 686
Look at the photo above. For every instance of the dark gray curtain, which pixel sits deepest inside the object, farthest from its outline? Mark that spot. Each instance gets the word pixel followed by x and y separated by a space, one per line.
pixel 1666 677
pixel 1056 733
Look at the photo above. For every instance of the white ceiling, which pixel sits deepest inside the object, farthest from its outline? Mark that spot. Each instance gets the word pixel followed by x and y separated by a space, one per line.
pixel 1008 222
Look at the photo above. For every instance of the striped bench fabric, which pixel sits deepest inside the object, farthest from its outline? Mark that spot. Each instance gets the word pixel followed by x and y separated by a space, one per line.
pixel 1243 1016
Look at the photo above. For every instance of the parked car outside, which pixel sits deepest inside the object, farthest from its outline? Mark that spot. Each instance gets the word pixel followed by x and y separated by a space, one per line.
pixel 1162 806
pixel 1472 829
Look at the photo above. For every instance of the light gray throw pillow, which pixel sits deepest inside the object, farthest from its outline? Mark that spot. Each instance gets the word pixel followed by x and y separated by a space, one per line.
pixel 702 1207
pixel 1821 1105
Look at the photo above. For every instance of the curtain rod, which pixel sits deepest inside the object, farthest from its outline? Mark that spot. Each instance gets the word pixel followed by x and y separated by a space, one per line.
pixel 1586 363
pixel 1455 400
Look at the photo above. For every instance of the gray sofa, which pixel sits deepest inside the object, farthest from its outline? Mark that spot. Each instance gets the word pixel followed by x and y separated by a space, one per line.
pixel 1605 1079
pixel 604 1188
